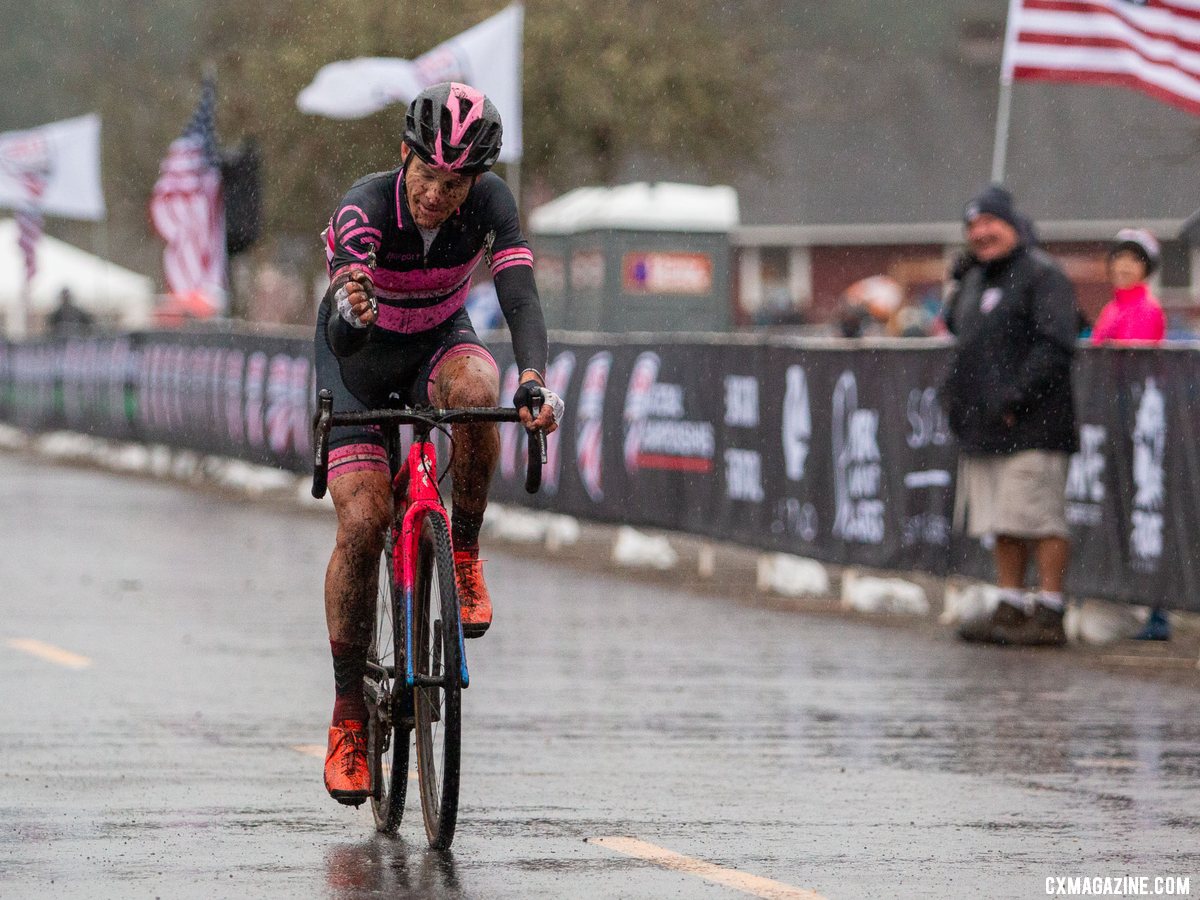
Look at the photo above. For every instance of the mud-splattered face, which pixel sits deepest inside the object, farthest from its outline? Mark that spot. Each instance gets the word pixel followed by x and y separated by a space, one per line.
pixel 432 195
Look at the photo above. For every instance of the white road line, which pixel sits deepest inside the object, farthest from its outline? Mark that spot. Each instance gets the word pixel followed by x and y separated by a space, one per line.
pixel 1152 662
pixel 731 878
pixel 1090 763
pixel 50 653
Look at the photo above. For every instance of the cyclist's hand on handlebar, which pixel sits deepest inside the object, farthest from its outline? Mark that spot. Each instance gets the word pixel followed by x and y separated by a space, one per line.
pixel 356 301
pixel 552 405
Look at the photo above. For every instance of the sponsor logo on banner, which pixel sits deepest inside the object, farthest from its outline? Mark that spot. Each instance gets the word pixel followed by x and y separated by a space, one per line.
pixel 217 396
pixel 793 516
pixel 667 273
pixel 1085 478
pixel 512 438
pixel 1149 448
pixel 287 418
pixel 743 475
pixel 589 424
pixel 558 379
pixel 797 423
pixel 255 387
pixel 656 434
pixel 857 467
pixel 235 370
pixel 927 422
pixel 927 427
pixel 741 401
pixel 743 468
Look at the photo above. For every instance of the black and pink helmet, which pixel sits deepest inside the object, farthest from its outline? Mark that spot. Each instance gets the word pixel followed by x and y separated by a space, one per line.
pixel 454 128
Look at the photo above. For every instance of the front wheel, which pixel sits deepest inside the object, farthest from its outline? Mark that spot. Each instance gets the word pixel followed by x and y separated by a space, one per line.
pixel 437 665
pixel 387 730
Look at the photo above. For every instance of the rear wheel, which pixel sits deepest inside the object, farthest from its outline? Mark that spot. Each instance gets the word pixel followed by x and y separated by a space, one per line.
pixel 388 732
pixel 437 663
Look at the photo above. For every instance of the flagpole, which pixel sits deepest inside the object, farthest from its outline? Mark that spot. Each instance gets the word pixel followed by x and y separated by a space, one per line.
pixel 1004 107
pixel 1000 147
pixel 18 329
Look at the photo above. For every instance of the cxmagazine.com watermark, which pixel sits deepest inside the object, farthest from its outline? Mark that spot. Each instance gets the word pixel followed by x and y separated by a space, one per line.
pixel 1119 886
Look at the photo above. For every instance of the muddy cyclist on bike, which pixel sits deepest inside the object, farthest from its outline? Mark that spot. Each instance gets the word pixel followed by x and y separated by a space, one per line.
pixel 401 248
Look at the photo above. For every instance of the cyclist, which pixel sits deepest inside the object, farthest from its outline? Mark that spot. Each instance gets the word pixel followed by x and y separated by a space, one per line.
pixel 401 248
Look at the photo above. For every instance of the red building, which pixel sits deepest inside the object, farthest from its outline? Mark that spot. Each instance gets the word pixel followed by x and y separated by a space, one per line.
pixel 806 268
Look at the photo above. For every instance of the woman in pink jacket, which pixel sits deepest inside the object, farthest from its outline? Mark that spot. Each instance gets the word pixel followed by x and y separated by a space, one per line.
pixel 1133 314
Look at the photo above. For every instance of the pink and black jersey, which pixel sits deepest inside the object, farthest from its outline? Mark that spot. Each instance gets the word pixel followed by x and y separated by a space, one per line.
pixel 422 285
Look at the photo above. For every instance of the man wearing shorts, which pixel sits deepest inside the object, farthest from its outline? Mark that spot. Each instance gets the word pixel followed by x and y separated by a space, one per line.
pixel 1010 405
pixel 401 248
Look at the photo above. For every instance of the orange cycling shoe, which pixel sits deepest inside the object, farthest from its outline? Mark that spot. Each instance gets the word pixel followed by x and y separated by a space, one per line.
pixel 347 777
pixel 472 593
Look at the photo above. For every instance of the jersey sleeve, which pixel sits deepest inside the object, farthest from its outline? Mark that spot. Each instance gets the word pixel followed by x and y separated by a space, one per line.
pixel 355 231
pixel 509 247
pixel 512 272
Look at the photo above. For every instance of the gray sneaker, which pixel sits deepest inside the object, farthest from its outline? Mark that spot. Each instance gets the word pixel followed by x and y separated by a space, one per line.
pixel 995 628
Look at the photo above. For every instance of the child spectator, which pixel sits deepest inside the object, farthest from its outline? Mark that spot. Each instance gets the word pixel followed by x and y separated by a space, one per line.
pixel 1133 314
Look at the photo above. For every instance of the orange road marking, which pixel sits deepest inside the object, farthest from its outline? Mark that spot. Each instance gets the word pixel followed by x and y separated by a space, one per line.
pixel 50 653
pixel 731 878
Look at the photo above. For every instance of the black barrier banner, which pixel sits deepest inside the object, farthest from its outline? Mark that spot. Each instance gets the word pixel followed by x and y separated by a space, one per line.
pixel 243 396
pixel 844 455
pixel 802 451
pixel 823 449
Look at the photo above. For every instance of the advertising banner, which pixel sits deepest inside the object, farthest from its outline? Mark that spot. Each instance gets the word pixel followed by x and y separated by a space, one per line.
pixel 828 450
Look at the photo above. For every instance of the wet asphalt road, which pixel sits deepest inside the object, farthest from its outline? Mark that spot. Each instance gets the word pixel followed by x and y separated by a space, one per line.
pixel 846 759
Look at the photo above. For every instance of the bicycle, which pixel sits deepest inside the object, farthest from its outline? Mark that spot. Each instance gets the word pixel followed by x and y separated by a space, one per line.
pixel 416 665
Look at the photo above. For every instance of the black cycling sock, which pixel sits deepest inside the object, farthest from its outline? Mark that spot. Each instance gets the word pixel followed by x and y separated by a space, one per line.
pixel 349 664
pixel 464 529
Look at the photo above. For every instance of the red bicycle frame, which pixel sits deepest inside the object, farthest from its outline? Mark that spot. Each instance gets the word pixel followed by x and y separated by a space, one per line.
pixel 423 500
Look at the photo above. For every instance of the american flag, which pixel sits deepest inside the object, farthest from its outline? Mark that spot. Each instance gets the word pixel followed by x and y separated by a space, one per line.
pixel 30 221
pixel 1150 45
pixel 26 160
pixel 188 208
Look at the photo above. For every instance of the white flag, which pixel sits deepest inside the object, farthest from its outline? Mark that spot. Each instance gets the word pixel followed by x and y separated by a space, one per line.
pixel 487 57
pixel 55 168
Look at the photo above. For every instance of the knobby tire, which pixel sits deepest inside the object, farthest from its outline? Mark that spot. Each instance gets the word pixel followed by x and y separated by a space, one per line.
pixel 437 651
pixel 388 727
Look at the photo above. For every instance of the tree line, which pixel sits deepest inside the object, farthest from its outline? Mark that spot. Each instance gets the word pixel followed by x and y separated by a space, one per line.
pixel 607 87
